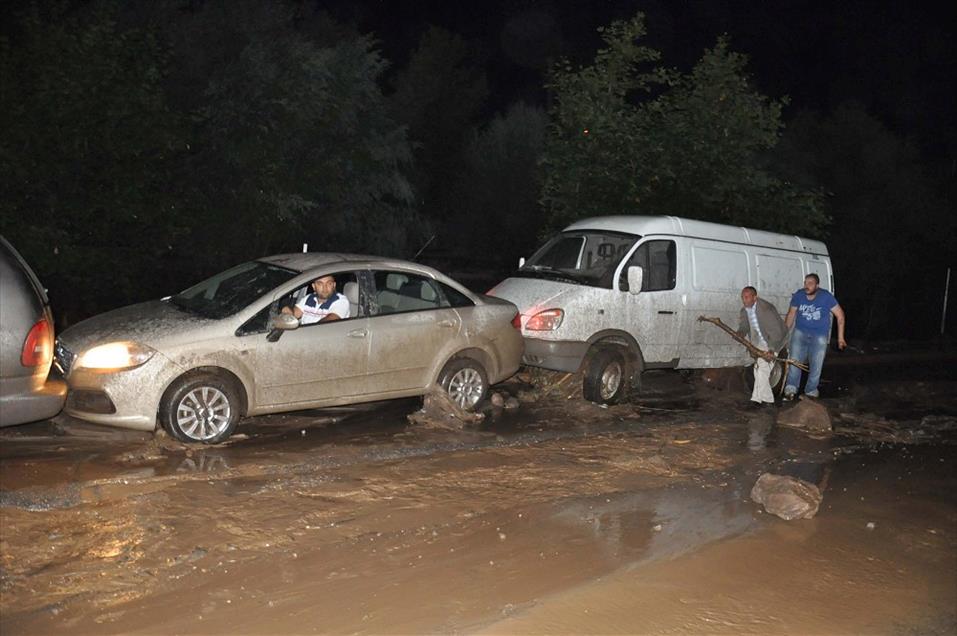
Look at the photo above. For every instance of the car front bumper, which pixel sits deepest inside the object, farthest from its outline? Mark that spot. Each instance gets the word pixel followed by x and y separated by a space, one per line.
pixel 132 394
pixel 557 355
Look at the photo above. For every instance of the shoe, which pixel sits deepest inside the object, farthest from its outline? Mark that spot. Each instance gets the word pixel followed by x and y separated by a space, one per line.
pixel 812 396
pixel 788 397
pixel 755 405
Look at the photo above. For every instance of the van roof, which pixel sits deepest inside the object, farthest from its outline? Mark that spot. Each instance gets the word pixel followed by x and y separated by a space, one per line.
pixel 676 226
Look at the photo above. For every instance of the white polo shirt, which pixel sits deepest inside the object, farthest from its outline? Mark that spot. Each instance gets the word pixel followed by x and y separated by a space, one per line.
pixel 313 309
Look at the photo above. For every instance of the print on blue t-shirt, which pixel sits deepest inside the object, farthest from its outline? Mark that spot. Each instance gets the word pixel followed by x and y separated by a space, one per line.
pixel 813 316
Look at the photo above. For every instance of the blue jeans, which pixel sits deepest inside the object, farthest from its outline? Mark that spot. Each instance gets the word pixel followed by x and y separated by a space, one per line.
pixel 806 347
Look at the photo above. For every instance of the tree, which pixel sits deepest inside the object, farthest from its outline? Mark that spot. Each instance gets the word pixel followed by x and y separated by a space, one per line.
pixel 87 149
pixel 893 235
pixel 439 95
pixel 498 215
pixel 631 137
pixel 124 154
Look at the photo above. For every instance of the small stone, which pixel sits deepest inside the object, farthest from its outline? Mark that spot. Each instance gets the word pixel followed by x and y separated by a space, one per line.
pixel 501 536
pixel 497 400
pixel 657 527
pixel 871 525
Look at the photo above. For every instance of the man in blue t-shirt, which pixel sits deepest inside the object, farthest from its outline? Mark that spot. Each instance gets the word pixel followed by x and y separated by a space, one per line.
pixel 810 315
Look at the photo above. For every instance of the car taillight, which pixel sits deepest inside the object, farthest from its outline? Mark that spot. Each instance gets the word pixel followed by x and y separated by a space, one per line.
pixel 517 321
pixel 548 320
pixel 38 347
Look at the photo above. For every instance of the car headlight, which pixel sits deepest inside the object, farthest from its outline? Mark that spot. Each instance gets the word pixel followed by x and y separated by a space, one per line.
pixel 548 320
pixel 114 356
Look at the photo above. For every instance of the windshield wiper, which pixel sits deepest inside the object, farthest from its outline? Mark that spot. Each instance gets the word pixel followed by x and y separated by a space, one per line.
pixel 551 272
pixel 187 306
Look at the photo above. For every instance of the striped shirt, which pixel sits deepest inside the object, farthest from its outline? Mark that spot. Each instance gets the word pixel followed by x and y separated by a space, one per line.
pixel 758 340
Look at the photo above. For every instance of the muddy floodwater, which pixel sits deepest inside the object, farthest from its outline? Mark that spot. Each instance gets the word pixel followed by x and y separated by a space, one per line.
pixel 556 517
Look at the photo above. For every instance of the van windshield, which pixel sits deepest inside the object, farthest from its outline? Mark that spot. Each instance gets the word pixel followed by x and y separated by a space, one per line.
pixel 585 257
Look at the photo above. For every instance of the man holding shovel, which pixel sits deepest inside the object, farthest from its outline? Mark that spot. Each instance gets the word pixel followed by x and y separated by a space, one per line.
pixel 762 323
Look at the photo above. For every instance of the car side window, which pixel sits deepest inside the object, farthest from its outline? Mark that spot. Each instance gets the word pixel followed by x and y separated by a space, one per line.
pixel 347 285
pixel 657 259
pixel 260 322
pixel 398 292
pixel 455 297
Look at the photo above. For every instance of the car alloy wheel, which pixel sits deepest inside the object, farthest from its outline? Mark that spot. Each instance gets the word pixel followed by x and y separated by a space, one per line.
pixel 465 382
pixel 203 413
pixel 201 407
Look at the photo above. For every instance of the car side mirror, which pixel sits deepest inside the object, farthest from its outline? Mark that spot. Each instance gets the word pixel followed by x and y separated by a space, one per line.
pixel 285 322
pixel 635 276
pixel 281 323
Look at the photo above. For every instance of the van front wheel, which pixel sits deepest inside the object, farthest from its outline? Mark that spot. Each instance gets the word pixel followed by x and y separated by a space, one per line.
pixel 606 377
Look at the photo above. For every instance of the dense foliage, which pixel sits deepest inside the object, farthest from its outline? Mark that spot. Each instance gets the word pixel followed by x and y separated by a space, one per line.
pixel 112 173
pixel 630 136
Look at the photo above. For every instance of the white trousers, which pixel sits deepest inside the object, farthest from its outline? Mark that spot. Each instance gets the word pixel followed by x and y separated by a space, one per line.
pixel 762 382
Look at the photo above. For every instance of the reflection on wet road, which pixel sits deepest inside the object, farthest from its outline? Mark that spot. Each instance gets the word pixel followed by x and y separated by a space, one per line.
pixel 355 520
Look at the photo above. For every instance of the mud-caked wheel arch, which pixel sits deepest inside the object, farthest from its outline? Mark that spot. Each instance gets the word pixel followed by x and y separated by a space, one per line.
pixel 606 376
pixel 201 408
pixel 465 381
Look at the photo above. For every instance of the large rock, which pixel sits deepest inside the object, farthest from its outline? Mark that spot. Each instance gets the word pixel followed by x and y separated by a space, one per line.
pixel 809 415
pixel 439 411
pixel 787 497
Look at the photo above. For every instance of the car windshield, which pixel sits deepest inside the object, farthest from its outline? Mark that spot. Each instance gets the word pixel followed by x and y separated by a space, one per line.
pixel 583 257
pixel 227 292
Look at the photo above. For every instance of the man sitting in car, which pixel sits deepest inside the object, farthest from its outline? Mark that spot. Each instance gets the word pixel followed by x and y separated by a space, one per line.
pixel 324 304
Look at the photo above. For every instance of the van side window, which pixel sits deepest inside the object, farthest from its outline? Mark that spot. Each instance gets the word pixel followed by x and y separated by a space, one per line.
pixel 657 259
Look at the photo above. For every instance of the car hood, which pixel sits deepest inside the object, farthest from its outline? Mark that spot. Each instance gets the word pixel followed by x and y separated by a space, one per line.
pixel 150 323
pixel 532 295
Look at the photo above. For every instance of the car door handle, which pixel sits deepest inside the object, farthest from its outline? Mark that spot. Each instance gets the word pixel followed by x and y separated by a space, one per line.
pixel 446 323
pixel 358 333
pixel 667 313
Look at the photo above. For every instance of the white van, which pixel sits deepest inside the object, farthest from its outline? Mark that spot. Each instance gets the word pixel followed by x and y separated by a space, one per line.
pixel 615 295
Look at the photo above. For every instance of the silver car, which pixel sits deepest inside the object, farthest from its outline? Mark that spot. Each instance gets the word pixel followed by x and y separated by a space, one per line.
pixel 27 392
pixel 199 361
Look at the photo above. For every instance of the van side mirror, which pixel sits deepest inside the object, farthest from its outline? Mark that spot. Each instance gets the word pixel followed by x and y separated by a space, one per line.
pixel 521 262
pixel 635 276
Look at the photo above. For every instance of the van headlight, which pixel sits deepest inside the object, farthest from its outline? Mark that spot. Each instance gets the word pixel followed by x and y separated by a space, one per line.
pixel 548 320
pixel 114 356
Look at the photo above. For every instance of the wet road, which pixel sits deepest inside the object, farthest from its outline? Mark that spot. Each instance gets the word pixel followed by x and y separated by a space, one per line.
pixel 549 518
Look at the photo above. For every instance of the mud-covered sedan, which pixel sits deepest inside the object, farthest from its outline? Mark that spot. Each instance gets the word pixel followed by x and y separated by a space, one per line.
pixel 237 344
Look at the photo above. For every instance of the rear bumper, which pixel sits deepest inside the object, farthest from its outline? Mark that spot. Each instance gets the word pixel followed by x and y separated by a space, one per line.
pixel 557 355
pixel 29 400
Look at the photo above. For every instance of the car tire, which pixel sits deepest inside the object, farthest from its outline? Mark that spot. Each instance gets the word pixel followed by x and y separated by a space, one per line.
pixel 202 408
pixel 465 381
pixel 606 376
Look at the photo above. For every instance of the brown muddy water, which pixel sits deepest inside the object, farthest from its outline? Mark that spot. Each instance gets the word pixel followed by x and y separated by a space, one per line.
pixel 560 517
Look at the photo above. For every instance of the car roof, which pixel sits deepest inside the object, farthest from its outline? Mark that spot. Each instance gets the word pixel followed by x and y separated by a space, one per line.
pixel 307 261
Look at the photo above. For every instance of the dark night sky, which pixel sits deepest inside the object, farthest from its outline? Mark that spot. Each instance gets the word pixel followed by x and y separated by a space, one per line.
pixel 897 58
